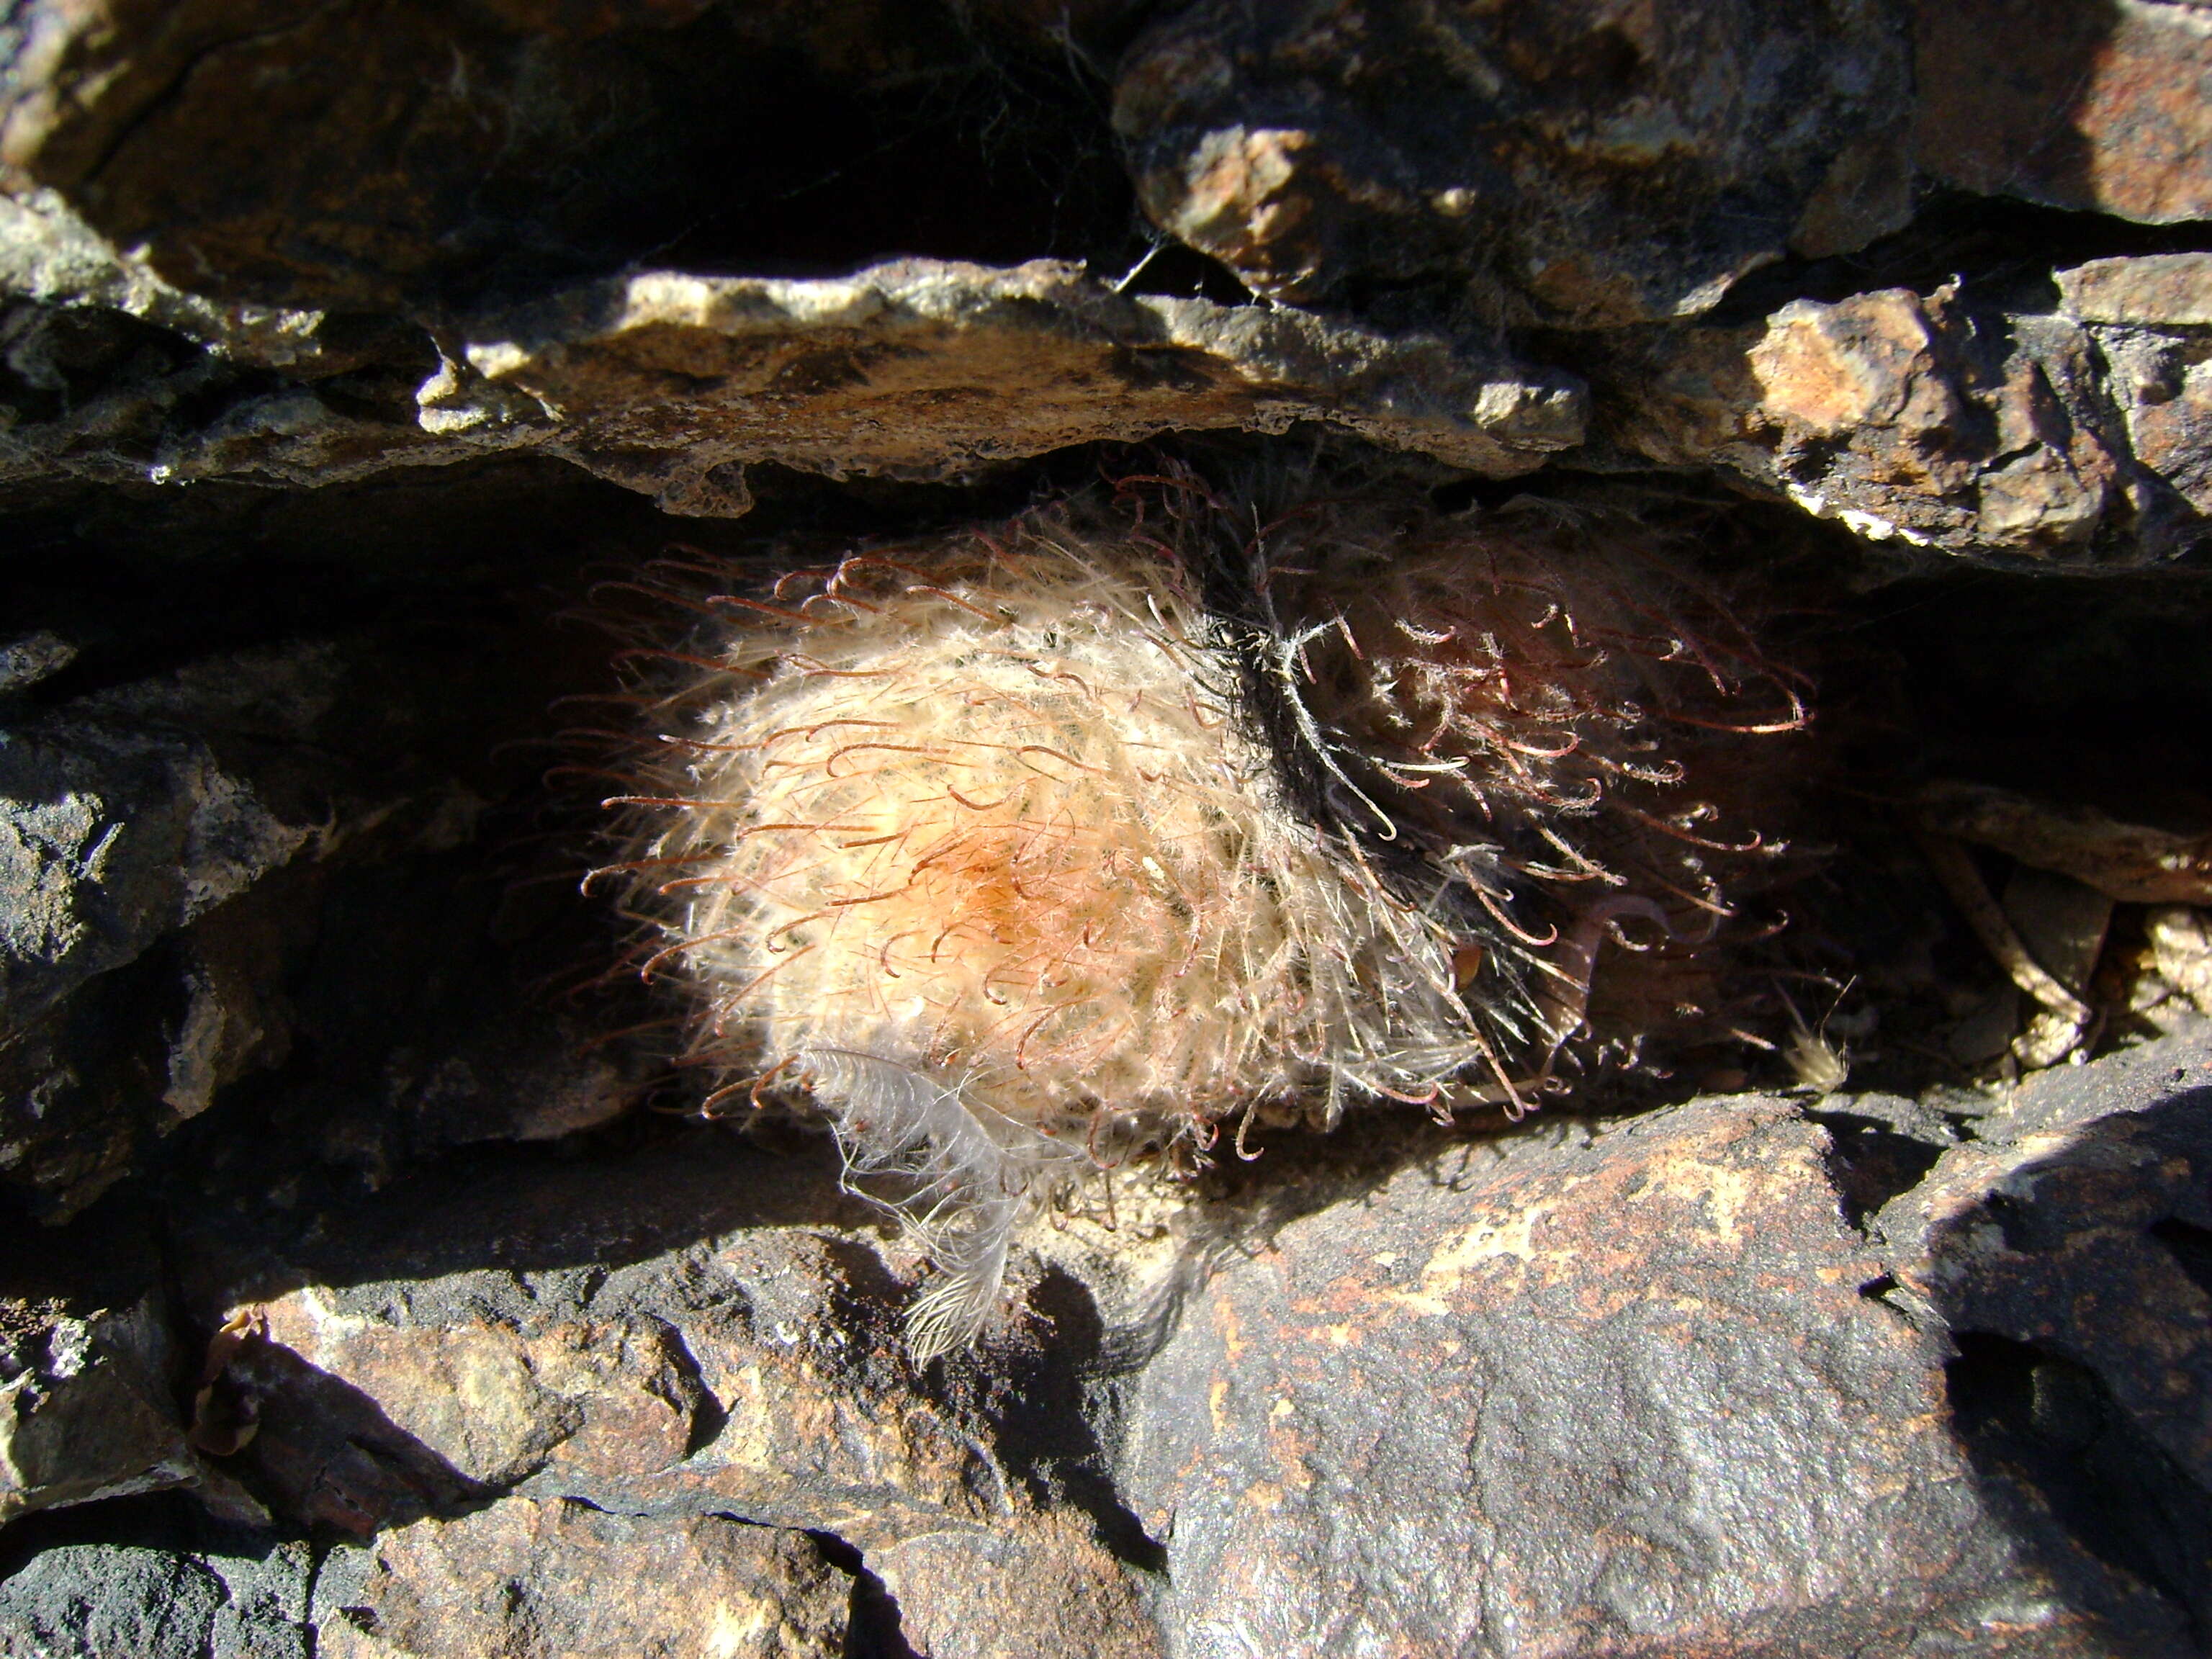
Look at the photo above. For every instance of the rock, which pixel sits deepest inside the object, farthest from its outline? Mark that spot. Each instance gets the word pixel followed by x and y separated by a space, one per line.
pixel 363 154
pixel 971 1595
pixel 702 1329
pixel 1678 1378
pixel 926 370
pixel 2107 107
pixel 2062 924
pixel 172 1585
pixel 558 1580
pixel 173 849
pixel 112 840
pixel 123 827
pixel 2151 317
pixel 1917 418
pixel 105 357
pixel 109 839
pixel 493 1405
pixel 34 657
pixel 2148 290
pixel 2067 1250
pixel 670 384
pixel 84 1413
pixel 49 255
pixel 345 343
pixel 2181 945
pixel 1582 1392
pixel 1589 165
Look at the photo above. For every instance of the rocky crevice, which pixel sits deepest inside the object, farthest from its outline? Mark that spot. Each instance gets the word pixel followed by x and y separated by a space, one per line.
pixel 366 1287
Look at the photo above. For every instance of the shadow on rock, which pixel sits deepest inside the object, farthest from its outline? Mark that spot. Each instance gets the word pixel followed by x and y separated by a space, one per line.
pixel 324 1451
pixel 2075 1285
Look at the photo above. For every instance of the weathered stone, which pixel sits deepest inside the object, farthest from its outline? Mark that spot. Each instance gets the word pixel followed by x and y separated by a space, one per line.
pixel 179 844
pixel 497 1407
pixel 1591 164
pixel 668 384
pixel 2067 1250
pixel 1917 418
pixel 162 1583
pixel 1578 1393
pixel 557 1580
pixel 973 1595
pixel 356 154
pixel 704 1329
pixel 83 1407
pixel 921 369
pixel 124 826
pixel 1665 1396
pixel 2063 923
pixel 50 255
pixel 1858 1375
pixel 2148 290
pixel 2180 940
pixel 109 839
pixel 2106 107
pixel 91 394
pixel 112 840
pixel 35 657
pixel 2151 317
pixel 103 353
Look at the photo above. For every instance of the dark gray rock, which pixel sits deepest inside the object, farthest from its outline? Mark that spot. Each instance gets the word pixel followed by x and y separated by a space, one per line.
pixel 1587 165
pixel 123 828
pixel 2067 1250
pixel 161 1584
pixel 113 835
pixel 2151 317
pixel 112 841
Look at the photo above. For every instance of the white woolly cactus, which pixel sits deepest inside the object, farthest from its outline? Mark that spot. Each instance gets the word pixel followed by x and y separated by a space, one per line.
pixel 978 855
pixel 1014 856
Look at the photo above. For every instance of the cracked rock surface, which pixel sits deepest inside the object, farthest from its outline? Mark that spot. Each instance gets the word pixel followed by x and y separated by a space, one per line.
pixel 1669 1398
pixel 1677 1382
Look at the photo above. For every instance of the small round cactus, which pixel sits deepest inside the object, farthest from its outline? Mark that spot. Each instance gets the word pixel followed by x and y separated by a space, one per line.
pixel 1027 850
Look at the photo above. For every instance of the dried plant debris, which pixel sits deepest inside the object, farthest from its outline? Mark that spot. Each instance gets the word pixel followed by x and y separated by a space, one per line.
pixel 1032 849
pixel 2073 867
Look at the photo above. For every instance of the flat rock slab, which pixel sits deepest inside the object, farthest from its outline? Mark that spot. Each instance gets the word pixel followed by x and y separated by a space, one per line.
pixel 926 368
pixel 669 383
